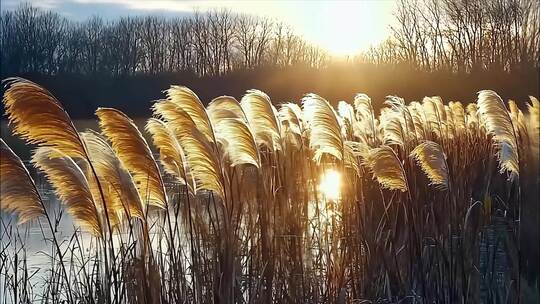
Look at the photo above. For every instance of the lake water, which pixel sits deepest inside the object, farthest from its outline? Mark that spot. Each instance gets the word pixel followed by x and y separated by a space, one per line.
pixel 38 246
pixel 31 245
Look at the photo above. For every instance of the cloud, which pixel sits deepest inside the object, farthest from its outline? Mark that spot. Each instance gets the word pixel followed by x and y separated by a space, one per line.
pixel 169 5
pixel 44 4
pixel 85 8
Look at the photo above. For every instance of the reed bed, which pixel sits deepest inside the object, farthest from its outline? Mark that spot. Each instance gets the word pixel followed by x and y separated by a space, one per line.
pixel 244 202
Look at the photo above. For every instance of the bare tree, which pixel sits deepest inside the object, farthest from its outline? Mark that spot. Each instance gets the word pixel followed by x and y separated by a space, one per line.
pixel 464 35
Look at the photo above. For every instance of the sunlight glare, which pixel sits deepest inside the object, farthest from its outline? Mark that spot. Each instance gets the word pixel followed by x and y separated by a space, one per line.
pixel 345 28
pixel 330 184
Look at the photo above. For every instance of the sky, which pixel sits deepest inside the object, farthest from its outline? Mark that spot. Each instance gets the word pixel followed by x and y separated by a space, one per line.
pixel 341 27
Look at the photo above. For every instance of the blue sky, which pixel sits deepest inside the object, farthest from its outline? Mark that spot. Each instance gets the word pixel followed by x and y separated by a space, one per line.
pixel 81 9
pixel 342 27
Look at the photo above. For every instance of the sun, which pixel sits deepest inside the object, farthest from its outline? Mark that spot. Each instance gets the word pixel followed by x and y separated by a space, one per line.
pixel 346 28
pixel 330 185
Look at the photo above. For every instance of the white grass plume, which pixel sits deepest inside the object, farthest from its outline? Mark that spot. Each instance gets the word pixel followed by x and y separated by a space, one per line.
pixel 224 107
pixel 189 102
pixel 431 112
pixel 533 122
pixel 393 125
pixel 292 125
pixel 499 124
pixel 232 131
pixel 419 119
pixel 438 102
pixel 363 107
pixel 519 123
pixel 347 119
pixel 262 119
pixel 238 142
pixel 472 119
pixel 291 114
pixel 397 104
pixel 171 154
pixel 458 114
pixel 367 123
pixel 325 131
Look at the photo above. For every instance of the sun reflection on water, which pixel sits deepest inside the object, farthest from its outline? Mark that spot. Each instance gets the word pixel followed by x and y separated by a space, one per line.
pixel 331 184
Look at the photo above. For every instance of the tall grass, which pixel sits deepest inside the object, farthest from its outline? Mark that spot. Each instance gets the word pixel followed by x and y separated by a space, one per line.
pixel 233 211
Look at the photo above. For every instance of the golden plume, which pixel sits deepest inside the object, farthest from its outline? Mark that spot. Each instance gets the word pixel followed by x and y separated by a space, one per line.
pixel 458 114
pixel 325 136
pixel 518 120
pixel 513 109
pixel 114 209
pixel 534 110
pixel 291 114
pixel 386 168
pixel 18 193
pixel 238 141
pixel 431 158
pixel 232 132
pixel 189 102
pixel 350 153
pixel 349 125
pixel 119 189
pixel 419 119
pixel 367 128
pixel 224 107
pixel 450 124
pixel 262 119
pixel 292 125
pixel 171 155
pixel 70 185
pixel 202 160
pixel 499 124
pixel 172 114
pixel 393 125
pixel 431 113
pixel 438 102
pixel 533 124
pixel 134 154
pixel 397 104
pixel 39 118
pixel 363 107
pixel 472 119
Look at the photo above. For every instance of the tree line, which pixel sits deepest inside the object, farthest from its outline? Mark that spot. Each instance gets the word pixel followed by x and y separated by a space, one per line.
pixel 211 43
pixel 462 36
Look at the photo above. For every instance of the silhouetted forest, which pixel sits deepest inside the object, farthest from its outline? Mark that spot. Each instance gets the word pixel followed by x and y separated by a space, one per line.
pixel 133 94
pixel 451 48
pixel 463 36
pixel 213 43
